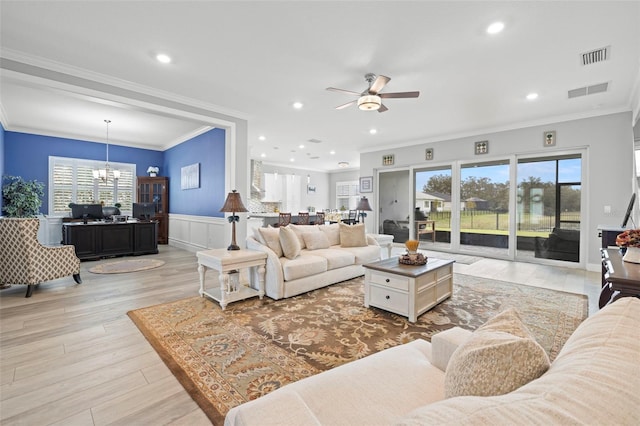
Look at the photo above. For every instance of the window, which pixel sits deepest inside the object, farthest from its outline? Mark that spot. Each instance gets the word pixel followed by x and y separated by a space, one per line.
pixel 72 181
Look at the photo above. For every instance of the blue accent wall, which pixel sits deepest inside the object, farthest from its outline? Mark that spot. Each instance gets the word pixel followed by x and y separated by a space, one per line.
pixel 27 155
pixel 208 149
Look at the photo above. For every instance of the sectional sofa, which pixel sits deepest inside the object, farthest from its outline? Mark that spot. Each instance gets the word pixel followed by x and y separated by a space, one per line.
pixel 493 376
pixel 301 258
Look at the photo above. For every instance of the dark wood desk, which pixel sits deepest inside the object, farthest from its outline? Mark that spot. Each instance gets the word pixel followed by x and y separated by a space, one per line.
pixel 622 278
pixel 94 240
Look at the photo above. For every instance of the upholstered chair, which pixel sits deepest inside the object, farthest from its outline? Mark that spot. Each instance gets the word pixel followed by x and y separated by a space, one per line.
pixel 26 261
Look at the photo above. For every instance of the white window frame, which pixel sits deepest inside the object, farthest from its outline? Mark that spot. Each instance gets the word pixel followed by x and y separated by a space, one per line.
pixel 75 163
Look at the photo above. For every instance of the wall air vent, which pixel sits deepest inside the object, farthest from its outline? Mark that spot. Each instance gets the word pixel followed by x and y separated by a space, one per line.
pixel 588 90
pixel 595 56
pixel 315 141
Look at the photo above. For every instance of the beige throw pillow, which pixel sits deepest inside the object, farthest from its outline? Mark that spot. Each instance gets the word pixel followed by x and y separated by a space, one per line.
pixel 316 240
pixel 289 242
pixel 333 233
pixel 300 230
pixel 271 238
pixel 352 235
pixel 498 358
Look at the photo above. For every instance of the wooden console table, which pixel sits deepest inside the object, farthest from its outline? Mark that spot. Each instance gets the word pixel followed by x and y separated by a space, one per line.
pixel 94 240
pixel 622 279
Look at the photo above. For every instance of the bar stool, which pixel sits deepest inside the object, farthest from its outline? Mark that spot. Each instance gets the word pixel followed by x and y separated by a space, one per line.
pixel 319 218
pixel 303 218
pixel 284 219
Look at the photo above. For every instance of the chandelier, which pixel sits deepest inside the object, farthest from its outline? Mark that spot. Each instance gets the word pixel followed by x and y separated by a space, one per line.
pixel 103 174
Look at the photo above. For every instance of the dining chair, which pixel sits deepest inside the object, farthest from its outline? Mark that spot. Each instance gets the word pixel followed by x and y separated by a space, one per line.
pixel 284 219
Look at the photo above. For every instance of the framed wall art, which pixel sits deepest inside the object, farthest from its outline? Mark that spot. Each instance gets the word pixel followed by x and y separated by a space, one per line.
pixel 549 138
pixel 366 184
pixel 482 147
pixel 428 154
pixel 387 160
pixel 190 176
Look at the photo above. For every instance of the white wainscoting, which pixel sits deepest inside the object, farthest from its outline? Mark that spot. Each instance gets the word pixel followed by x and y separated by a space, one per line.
pixel 50 230
pixel 196 233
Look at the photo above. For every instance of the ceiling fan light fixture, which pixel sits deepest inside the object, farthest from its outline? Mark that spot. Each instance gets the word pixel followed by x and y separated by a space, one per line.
pixel 369 102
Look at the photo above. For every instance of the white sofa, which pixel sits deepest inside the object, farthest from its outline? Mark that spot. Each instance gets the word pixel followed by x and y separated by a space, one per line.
pixel 317 263
pixel 595 379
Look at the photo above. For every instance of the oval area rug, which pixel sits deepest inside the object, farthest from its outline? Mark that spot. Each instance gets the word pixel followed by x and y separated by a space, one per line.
pixel 124 266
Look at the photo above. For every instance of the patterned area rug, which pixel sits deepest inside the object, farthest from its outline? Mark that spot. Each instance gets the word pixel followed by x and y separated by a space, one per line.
pixel 124 266
pixel 224 358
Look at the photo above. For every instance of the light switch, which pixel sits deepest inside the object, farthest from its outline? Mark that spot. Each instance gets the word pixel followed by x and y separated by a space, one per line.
pixel 607 209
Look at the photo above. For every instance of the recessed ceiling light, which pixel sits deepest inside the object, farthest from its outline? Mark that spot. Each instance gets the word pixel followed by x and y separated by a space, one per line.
pixel 495 28
pixel 262 138
pixel 163 58
pixel 373 131
pixel 301 146
pixel 532 96
pixel 263 155
pixel 292 159
pixel 332 152
pixel 298 105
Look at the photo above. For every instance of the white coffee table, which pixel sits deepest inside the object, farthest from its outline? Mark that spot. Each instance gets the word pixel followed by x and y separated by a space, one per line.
pixel 407 290
pixel 228 262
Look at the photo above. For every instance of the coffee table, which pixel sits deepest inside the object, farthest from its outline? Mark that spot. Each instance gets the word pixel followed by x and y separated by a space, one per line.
pixel 406 289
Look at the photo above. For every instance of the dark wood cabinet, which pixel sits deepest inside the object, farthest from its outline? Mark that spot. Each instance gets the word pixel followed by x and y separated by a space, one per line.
pixel 95 240
pixel 156 190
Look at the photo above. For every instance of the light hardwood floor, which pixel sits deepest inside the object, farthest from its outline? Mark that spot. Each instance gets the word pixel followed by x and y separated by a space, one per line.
pixel 69 355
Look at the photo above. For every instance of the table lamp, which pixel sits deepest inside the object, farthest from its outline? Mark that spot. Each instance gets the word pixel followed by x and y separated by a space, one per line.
pixel 233 204
pixel 363 206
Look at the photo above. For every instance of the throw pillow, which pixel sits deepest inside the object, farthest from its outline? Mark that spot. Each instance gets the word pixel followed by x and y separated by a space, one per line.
pixel 300 230
pixel 352 235
pixel 333 233
pixel 498 358
pixel 271 237
pixel 316 240
pixel 289 242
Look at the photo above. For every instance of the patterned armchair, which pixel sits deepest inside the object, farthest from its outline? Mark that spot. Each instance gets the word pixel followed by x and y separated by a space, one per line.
pixel 26 261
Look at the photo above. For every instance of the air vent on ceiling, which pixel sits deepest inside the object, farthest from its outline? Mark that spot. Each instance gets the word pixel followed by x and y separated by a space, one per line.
pixel 315 140
pixel 595 56
pixel 588 90
pixel 314 158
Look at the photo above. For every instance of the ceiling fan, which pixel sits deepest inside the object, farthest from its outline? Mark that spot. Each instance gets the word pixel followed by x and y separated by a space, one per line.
pixel 371 98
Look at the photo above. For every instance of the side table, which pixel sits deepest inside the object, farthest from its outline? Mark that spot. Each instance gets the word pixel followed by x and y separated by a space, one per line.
pixel 228 262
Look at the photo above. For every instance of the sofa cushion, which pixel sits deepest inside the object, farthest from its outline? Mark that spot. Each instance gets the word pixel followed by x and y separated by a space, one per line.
pixel 498 358
pixel 363 255
pixel 336 257
pixel 316 240
pixel 303 266
pixel 289 242
pixel 352 235
pixel 271 237
pixel 333 233
pixel 300 230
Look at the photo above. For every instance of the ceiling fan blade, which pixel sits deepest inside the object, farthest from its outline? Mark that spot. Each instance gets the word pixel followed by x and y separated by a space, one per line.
pixel 400 95
pixel 348 104
pixel 378 84
pixel 382 108
pixel 333 89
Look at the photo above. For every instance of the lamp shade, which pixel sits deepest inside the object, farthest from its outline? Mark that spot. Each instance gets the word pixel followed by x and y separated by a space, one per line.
pixel 233 203
pixel 363 205
pixel 369 102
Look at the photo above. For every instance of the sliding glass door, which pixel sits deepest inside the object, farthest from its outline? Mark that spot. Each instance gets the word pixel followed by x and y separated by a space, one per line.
pixel 484 207
pixel 433 208
pixel 549 208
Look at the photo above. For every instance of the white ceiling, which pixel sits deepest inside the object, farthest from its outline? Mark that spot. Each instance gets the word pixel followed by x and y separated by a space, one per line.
pixel 254 59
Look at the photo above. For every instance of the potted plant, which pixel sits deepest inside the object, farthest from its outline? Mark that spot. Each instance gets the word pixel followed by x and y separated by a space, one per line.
pixel 153 171
pixel 21 198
